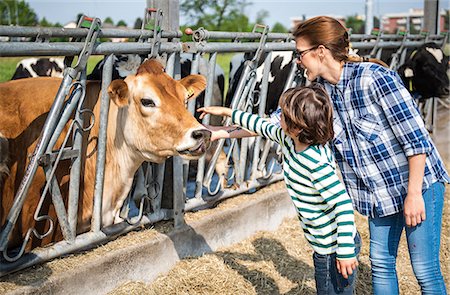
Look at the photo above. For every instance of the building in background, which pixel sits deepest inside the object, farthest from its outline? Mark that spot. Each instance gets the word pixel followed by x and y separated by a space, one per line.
pixel 411 21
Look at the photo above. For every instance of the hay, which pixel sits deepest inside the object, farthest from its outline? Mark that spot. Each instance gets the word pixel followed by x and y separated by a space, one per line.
pixel 277 262
pixel 280 262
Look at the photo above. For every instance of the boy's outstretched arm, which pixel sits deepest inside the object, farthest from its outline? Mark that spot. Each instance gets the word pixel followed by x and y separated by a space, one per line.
pixel 214 110
pixel 219 132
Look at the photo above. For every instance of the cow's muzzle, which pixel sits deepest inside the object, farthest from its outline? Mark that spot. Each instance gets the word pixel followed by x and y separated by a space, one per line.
pixel 202 138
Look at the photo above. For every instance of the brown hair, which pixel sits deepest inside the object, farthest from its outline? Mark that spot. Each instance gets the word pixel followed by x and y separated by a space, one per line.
pixel 309 110
pixel 329 32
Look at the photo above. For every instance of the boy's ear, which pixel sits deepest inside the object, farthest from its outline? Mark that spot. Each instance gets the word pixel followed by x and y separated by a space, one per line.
pixel 194 85
pixel 118 92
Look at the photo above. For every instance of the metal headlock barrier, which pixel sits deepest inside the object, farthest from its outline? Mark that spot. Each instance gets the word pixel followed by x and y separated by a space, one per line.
pixel 254 161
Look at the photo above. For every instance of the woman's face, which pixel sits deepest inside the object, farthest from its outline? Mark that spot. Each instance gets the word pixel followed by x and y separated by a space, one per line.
pixel 308 58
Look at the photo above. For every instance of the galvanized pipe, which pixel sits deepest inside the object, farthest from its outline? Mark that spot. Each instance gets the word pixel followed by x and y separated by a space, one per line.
pixel 81 242
pixel 101 146
pixel 74 48
pixel 202 35
pixel 195 204
pixel 39 150
pixel 75 171
pixel 261 110
pixel 31 32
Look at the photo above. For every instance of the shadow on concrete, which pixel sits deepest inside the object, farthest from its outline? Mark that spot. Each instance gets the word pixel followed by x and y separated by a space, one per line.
pixel 271 250
pixel 187 242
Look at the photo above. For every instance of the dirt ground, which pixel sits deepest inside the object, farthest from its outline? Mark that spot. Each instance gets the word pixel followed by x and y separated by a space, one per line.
pixel 280 262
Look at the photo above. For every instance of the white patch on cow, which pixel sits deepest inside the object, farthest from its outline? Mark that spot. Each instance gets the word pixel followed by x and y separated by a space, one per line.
pixel 409 73
pixel 129 67
pixel 285 55
pixel 437 53
pixel 27 63
pixel 59 61
pixel 353 52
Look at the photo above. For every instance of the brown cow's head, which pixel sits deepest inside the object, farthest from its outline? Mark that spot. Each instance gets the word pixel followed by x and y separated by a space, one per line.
pixel 153 115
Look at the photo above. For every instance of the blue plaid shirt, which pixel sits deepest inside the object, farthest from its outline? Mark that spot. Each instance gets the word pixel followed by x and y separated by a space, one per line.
pixel 377 127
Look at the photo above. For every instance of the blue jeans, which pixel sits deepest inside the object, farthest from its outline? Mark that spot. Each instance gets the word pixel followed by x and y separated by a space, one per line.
pixel 328 280
pixel 423 245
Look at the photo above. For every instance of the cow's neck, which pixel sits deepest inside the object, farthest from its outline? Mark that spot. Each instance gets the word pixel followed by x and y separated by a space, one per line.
pixel 120 167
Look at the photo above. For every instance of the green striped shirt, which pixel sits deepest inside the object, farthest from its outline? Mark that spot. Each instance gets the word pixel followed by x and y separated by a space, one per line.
pixel 324 208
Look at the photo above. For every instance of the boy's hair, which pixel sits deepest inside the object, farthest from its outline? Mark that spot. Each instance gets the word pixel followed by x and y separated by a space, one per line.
pixel 308 109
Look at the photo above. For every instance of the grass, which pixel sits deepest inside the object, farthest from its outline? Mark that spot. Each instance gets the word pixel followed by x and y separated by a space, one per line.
pixel 8 65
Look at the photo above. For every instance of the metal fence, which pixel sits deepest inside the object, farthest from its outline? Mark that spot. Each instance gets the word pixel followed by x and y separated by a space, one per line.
pixel 250 164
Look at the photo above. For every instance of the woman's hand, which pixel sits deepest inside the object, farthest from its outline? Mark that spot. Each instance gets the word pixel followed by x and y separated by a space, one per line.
pixel 346 267
pixel 218 111
pixel 414 209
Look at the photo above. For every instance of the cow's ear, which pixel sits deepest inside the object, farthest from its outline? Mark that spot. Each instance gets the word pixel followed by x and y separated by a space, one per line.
pixel 194 85
pixel 118 92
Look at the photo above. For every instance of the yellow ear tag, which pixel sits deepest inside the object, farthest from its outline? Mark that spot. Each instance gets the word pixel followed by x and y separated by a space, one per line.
pixel 190 92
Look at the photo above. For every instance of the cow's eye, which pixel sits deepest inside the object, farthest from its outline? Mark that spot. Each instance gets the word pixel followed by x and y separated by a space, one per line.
pixel 148 102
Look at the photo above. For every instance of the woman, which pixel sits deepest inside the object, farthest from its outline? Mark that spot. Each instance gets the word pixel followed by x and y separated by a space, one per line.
pixel 389 164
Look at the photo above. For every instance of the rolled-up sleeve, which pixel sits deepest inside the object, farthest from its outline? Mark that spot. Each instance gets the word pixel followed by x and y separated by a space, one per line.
pixel 401 112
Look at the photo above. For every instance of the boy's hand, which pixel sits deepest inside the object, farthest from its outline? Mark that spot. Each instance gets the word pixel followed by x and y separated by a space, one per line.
pixel 218 111
pixel 346 267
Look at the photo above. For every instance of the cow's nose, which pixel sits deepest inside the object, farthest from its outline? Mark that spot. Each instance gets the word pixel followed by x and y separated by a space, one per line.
pixel 204 134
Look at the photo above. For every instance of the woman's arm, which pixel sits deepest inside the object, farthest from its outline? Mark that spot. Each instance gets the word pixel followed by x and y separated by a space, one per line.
pixel 414 206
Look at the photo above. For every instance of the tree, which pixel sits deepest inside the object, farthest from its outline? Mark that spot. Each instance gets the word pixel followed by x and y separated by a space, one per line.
pixel 356 24
pixel 261 16
pixel 446 21
pixel 108 20
pixel 45 23
pixel 279 28
pixel 138 23
pixel 17 13
pixel 215 14
pixel 121 23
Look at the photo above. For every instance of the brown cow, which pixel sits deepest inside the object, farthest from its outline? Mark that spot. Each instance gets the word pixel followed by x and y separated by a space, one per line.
pixel 148 121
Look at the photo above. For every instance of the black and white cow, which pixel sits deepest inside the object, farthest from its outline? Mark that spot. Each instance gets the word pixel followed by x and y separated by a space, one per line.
pixel 280 66
pixel 425 72
pixel 39 67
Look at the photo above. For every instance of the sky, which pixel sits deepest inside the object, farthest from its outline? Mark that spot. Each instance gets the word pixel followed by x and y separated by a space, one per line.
pixel 63 11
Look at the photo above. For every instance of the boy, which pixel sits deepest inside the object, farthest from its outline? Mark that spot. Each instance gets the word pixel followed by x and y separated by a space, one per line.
pixel 324 208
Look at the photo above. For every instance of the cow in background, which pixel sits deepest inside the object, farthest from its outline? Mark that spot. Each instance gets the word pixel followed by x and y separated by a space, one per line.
pixel 148 121
pixel 39 67
pixel 425 72
pixel 280 67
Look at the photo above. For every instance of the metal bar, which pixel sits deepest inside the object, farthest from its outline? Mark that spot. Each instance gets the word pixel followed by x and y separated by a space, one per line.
pixel 195 204
pixel 82 242
pixel 202 35
pixel 74 48
pixel 19 31
pixel 39 150
pixel 262 109
pixel 101 150
pixel 75 171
